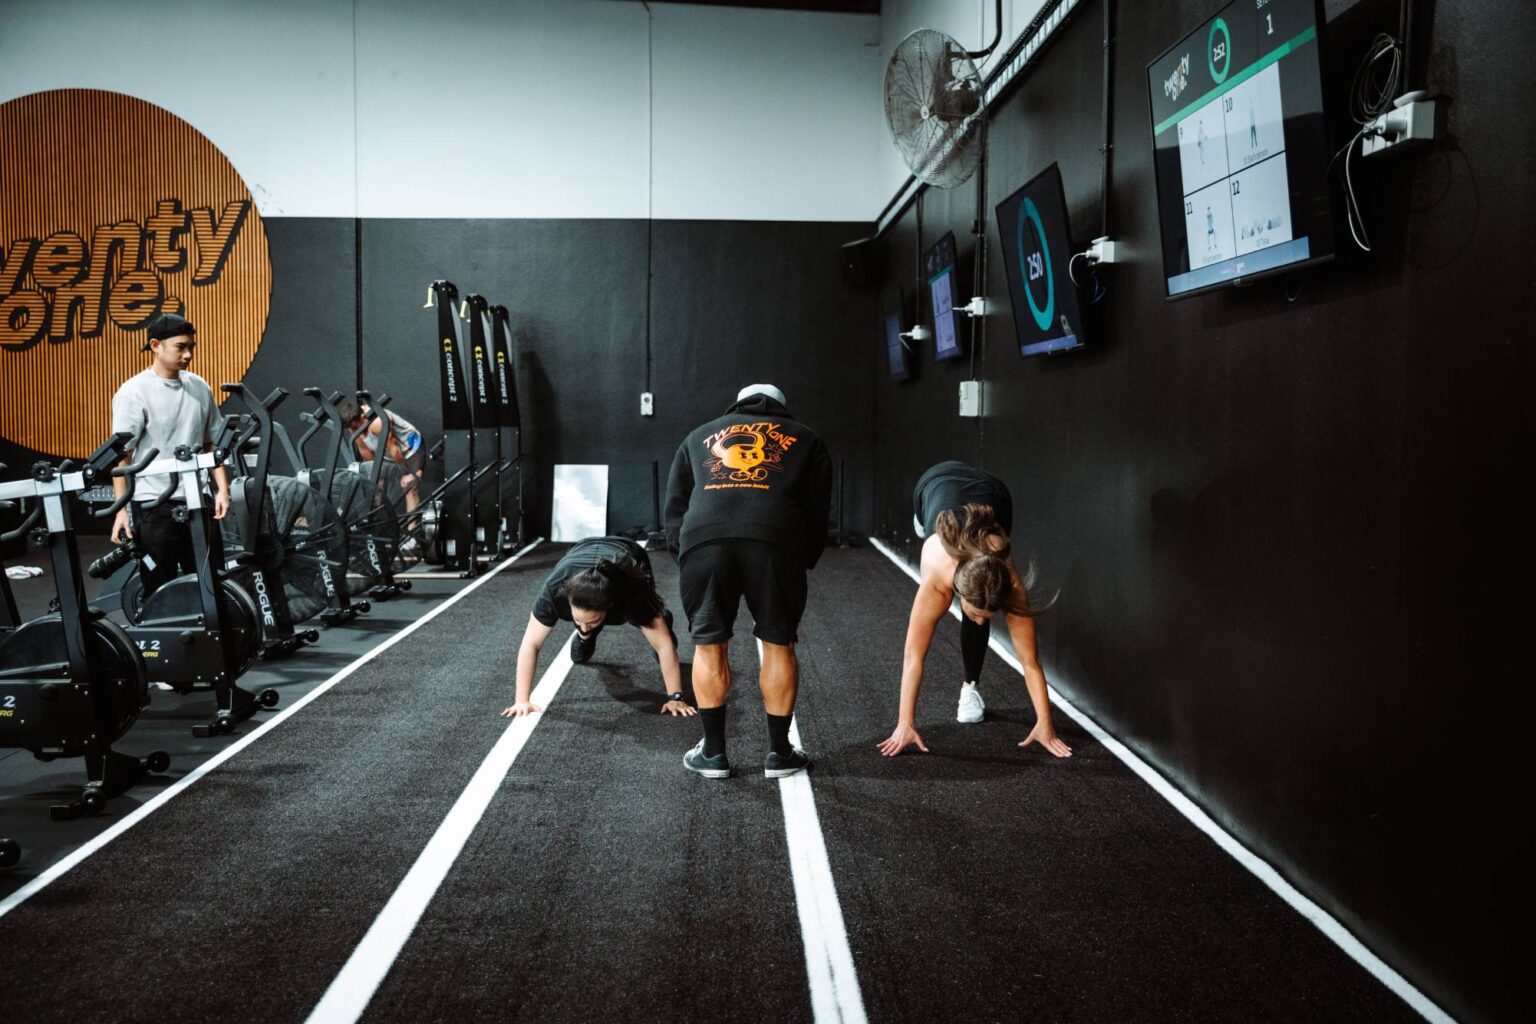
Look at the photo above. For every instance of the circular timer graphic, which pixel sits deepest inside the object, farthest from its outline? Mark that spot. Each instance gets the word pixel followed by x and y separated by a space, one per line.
pixel 1043 312
pixel 1219 52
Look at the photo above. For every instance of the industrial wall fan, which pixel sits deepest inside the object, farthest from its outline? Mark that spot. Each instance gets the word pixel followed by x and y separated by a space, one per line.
pixel 933 107
pixel 933 104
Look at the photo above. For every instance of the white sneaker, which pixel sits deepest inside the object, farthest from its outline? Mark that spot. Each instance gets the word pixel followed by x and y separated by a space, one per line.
pixel 972 707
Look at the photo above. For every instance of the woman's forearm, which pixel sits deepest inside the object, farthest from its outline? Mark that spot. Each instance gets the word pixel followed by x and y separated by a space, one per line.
pixel 527 660
pixel 911 683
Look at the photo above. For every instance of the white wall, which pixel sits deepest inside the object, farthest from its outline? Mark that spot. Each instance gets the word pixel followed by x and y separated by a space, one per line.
pixel 482 108
pixel 270 84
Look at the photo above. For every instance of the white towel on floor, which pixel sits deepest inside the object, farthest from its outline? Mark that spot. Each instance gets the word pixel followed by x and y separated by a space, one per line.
pixel 22 572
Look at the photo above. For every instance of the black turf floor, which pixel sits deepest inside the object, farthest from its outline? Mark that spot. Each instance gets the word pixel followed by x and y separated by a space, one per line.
pixel 978 882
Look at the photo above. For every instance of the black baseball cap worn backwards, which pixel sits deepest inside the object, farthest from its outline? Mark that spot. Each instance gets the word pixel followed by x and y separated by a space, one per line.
pixel 167 325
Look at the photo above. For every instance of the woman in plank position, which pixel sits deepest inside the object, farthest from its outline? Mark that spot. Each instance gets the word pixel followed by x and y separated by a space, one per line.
pixel 600 581
pixel 964 516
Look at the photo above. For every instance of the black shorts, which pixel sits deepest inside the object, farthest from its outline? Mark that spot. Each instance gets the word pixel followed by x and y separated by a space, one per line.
pixel 716 576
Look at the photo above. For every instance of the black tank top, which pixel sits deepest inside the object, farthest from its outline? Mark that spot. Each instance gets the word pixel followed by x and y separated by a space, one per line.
pixel 952 485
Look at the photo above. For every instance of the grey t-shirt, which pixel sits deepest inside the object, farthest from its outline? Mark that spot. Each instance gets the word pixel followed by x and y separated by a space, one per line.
pixel 163 414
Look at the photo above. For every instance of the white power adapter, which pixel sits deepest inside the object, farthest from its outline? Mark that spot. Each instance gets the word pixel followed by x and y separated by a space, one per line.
pixel 1100 250
pixel 1410 122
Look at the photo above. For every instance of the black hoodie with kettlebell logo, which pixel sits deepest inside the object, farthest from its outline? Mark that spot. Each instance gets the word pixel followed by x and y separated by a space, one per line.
pixel 755 473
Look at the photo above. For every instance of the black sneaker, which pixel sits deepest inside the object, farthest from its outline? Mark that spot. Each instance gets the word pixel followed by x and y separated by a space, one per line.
pixel 582 647
pixel 776 767
pixel 716 767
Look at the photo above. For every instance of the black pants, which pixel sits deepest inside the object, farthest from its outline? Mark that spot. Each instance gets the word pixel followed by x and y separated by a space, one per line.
pixel 166 543
pixel 973 646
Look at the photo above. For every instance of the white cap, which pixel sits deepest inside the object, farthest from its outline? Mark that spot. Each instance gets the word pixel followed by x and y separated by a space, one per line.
pixel 761 389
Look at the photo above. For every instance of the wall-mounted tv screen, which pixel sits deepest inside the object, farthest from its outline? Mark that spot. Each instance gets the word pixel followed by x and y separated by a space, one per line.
pixel 1037 251
pixel 939 269
pixel 891 314
pixel 1241 146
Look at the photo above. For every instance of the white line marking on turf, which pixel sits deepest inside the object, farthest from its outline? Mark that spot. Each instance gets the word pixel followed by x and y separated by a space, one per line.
pixel 1260 868
pixel 835 995
pixel 53 873
pixel 353 988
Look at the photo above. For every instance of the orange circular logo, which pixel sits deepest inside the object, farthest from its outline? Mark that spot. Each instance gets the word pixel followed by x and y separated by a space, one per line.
pixel 113 210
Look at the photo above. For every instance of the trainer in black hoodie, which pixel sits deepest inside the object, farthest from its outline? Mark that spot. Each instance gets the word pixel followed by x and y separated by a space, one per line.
pixel 756 473
pixel 747 502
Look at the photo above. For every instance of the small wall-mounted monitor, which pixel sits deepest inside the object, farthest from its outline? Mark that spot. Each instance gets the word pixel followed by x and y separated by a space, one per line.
pixel 1037 253
pixel 939 269
pixel 891 317
pixel 1241 146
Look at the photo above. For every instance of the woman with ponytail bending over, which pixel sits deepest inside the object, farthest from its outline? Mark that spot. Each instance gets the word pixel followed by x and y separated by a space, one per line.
pixel 964 516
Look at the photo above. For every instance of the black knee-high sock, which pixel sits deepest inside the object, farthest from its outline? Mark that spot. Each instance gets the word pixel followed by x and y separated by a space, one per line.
pixel 778 734
pixel 973 646
pixel 713 721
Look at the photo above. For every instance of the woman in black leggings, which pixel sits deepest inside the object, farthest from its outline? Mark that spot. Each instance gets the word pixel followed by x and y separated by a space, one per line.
pixel 964 516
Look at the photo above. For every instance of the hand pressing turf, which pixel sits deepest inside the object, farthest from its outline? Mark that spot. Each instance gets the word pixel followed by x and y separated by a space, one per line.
pixel 900 739
pixel 1044 735
pixel 521 708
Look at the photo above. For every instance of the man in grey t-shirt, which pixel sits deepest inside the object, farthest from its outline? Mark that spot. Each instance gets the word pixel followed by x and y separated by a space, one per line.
pixel 165 406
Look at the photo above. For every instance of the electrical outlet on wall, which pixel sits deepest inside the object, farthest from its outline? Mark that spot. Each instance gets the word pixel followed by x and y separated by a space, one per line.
pixel 647 405
pixel 970 398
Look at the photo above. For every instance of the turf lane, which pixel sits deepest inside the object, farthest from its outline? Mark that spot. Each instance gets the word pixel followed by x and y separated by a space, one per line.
pixel 607 882
pixel 982 882
pixel 241 898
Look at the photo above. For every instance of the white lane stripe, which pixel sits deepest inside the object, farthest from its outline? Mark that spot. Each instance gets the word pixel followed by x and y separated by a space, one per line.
pixel 354 987
pixel 835 995
pixel 39 883
pixel 1260 868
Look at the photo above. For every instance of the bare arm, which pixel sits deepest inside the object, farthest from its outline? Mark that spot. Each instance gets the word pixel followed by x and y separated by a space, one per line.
pixel 527 660
pixel 220 487
pixel 660 639
pixel 122 528
pixel 1021 630
pixel 928 607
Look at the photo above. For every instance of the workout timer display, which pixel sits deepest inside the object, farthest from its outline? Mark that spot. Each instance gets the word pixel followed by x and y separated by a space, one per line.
pixel 1241 146
pixel 939 268
pixel 1037 252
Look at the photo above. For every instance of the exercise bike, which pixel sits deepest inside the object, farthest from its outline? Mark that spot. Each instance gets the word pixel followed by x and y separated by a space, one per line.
pixel 364 496
pixel 201 630
pixel 251 529
pixel 72 682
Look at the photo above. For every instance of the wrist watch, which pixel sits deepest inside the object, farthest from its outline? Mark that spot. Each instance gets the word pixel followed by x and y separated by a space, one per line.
pixel 674 696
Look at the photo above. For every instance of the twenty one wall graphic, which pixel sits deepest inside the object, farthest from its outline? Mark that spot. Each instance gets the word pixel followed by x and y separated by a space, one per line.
pixel 113 210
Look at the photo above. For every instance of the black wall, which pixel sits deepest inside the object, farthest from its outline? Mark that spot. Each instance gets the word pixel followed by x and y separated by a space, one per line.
pixel 731 303
pixel 1288 535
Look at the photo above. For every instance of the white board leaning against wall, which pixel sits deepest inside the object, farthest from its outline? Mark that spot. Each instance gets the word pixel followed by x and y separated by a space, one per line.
pixel 581 503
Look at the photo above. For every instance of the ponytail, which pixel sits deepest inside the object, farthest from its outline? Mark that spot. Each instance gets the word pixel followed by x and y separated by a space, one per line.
pixel 971 533
pixel 984 574
pixel 611 581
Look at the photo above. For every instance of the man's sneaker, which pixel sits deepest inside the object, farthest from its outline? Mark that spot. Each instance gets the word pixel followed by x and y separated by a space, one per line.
pixel 776 767
pixel 972 707
pixel 582 647
pixel 716 767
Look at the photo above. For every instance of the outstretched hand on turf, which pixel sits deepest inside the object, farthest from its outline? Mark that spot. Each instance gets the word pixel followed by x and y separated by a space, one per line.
pixel 1047 738
pixel 900 739
pixel 679 708
pixel 521 708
